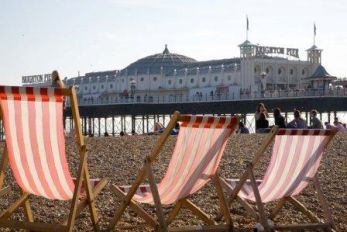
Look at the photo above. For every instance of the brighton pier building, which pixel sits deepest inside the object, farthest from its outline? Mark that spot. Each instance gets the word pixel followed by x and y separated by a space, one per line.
pixel 259 72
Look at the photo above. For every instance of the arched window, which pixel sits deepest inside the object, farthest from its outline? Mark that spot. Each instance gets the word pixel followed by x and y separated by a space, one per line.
pixel 203 79
pixel 180 81
pixel 192 80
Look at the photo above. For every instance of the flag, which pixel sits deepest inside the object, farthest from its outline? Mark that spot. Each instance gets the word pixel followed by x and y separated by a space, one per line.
pixel 314 29
pixel 247 24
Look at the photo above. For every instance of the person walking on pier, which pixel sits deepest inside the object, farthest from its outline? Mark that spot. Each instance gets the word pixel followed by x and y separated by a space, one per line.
pixel 297 122
pixel 279 119
pixel 315 122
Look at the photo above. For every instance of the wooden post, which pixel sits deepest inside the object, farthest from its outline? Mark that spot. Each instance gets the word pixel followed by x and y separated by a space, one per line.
pixel 143 124
pixel 99 126
pixel 105 126
pixel 133 122
pixel 113 126
pixel 147 124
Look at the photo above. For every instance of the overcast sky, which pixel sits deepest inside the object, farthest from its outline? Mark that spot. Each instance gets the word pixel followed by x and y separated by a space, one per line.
pixel 89 35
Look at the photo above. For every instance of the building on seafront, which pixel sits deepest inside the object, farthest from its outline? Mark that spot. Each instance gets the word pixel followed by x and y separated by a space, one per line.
pixel 258 72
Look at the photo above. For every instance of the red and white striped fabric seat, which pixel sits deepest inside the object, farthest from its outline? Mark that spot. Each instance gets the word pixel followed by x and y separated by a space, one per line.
pixel 33 122
pixel 294 162
pixel 199 147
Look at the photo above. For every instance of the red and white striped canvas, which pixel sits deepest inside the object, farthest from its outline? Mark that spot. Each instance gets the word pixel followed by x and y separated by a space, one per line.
pixel 33 122
pixel 198 151
pixel 294 162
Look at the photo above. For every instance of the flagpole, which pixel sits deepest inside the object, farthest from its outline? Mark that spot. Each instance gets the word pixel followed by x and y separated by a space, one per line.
pixel 314 33
pixel 247 27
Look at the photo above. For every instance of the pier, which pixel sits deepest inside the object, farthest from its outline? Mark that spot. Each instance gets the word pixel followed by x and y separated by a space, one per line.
pixel 139 118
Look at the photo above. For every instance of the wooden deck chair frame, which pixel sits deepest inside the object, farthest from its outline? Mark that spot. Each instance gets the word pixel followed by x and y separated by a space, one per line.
pixel 162 223
pixel 82 181
pixel 259 212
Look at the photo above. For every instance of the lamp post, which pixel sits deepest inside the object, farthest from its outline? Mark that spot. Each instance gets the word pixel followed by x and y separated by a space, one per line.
pixel 263 83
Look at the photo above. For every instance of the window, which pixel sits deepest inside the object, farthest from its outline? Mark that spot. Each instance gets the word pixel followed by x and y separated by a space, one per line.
pixel 192 80
pixel 180 81
pixel 291 71
pixel 303 72
pixel 229 78
pixel 204 79
pixel 154 78
pixel 215 78
pixel 267 70
pixel 85 88
pixel 123 80
pixel 111 86
pixel 102 86
pixel 279 71
pixel 94 87
pixel 169 82
pixel 141 79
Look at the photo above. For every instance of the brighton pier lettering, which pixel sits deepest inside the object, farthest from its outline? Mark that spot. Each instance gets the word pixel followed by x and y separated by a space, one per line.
pixel 36 79
pixel 261 50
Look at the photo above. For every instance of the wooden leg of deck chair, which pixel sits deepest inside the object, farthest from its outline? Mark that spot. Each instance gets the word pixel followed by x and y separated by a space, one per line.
pixel 173 214
pixel 222 201
pixel 198 212
pixel 84 203
pixel 90 199
pixel 260 205
pixel 278 207
pixel 78 185
pixel 303 209
pixel 321 198
pixel 4 191
pixel 7 213
pixel 3 165
pixel 27 211
pixel 156 197
pixel 249 208
pixel 127 199
pixel 140 211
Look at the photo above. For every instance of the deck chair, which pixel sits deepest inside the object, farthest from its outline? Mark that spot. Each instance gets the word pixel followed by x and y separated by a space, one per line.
pixel 35 150
pixel 195 160
pixel 294 163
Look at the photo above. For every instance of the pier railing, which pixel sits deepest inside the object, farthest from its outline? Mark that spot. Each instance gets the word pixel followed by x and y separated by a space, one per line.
pixel 246 95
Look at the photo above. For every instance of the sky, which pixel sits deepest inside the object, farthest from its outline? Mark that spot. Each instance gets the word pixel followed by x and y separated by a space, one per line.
pixel 83 36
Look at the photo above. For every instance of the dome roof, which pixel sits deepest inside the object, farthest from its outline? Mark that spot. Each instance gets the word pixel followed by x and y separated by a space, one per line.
pixel 157 63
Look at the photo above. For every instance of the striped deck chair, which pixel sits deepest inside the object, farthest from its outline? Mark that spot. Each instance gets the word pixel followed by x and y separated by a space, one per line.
pixel 294 163
pixel 195 160
pixel 35 150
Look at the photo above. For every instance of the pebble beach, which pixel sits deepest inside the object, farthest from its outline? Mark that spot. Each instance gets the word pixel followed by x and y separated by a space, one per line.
pixel 120 159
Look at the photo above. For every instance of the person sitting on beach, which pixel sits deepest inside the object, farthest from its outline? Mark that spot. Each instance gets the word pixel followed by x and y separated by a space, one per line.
pixel 315 122
pixel 262 124
pixel 158 127
pixel 260 109
pixel 297 122
pixel 279 119
pixel 242 129
pixel 338 125
pixel 328 125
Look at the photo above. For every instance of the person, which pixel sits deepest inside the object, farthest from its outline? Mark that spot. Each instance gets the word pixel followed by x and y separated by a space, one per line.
pixel 260 109
pixel 315 122
pixel 279 119
pixel 328 125
pixel 106 134
pixel 262 124
pixel 56 81
pixel 297 122
pixel 339 125
pixel 158 127
pixel 242 129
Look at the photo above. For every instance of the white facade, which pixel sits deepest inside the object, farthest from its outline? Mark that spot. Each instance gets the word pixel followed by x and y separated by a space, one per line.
pixel 171 77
